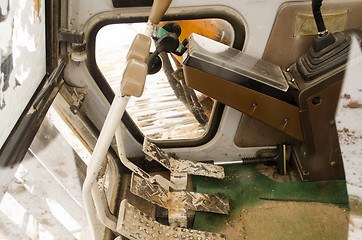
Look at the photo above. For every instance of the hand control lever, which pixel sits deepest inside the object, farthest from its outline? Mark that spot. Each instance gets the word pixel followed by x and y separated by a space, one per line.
pixel 166 40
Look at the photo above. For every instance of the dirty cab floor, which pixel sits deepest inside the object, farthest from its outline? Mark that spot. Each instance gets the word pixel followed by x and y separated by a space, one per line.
pixel 261 208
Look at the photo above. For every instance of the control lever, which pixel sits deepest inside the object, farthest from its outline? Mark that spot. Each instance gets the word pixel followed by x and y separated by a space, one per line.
pixel 133 80
pixel 166 40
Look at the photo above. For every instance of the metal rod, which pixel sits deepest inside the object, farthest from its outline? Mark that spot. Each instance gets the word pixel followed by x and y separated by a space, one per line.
pixel 94 205
pixel 52 81
pixel 316 7
pixel 104 141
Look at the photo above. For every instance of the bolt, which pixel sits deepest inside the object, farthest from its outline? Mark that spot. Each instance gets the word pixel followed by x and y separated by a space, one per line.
pixel 293 80
pixel 333 163
pixel 285 121
pixel 254 104
pixel 288 69
pixel 74 109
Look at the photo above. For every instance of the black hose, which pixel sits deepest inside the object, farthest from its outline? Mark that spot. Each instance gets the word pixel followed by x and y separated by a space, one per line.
pixel 175 85
pixel 316 7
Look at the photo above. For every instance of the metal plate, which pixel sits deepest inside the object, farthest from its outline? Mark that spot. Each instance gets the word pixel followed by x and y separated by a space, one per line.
pixel 185 200
pixel 182 166
pixel 134 224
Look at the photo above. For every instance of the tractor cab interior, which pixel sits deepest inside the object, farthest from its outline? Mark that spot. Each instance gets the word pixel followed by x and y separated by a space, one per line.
pixel 202 120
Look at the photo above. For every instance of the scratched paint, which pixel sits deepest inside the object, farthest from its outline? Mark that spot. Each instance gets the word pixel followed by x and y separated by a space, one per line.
pixel 22 58
pixel 36 11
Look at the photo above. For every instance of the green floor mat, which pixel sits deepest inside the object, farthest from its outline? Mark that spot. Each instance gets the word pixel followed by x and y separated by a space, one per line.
pixel 244 186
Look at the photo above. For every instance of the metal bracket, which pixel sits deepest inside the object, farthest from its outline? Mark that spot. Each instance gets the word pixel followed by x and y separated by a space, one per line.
pixel 76 38
pixel 71 36
pixel 78 95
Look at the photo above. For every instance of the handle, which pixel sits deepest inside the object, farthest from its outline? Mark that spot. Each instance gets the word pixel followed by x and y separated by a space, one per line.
pixel 159 8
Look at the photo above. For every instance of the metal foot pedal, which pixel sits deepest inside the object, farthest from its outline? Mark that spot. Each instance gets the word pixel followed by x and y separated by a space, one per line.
pixel 135 225
pixel 181 200
pixel 181 166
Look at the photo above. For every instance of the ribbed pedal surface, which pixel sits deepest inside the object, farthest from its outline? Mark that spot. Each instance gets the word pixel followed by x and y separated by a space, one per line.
pixel 134 224
pixel 178 165
pixel 185 200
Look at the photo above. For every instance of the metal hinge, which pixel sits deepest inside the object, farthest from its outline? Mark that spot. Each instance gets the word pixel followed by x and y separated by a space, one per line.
pixel 71 36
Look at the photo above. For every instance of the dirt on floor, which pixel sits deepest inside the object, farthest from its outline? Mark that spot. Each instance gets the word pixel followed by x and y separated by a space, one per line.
pixel 289 220
pixel 272 173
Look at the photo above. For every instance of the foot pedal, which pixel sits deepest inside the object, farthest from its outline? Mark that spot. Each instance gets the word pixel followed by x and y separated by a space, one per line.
pixel 193 201
pixel 135 225
pixel 182 166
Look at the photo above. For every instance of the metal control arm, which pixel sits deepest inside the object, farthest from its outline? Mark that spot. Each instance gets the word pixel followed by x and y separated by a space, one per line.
pixel 133 80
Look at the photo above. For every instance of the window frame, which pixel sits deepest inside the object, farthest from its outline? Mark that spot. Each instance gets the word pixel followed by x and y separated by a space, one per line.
pixel 115 17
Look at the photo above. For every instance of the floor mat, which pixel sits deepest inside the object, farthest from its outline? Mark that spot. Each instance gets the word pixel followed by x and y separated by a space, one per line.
pixel 245 187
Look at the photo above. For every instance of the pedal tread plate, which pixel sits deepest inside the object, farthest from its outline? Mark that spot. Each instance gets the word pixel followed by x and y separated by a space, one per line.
pixel 188 200
pixel 178 165
pixel 135 225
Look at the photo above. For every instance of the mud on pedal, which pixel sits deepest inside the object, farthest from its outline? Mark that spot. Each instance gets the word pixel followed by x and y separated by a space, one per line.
pixel 178 199
pixel 134 224
pixel 171 195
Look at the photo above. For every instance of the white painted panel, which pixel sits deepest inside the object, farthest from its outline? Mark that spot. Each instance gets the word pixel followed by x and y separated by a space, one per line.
pixel 22 58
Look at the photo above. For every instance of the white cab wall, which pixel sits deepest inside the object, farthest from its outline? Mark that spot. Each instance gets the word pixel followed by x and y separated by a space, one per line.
pixel 22 58
pixel 258 18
